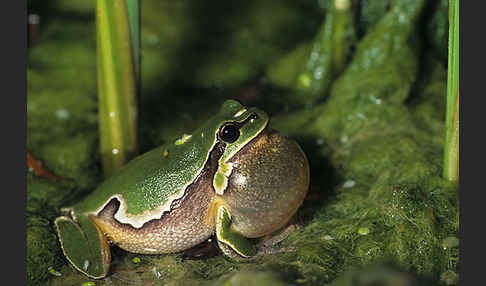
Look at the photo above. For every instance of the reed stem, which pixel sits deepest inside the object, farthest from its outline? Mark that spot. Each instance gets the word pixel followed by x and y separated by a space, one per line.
pixel 118 77
pixel 451 149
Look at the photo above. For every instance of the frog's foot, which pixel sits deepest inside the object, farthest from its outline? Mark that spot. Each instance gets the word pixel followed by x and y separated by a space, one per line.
pixel 84 245
pixel 268 243
pixel 232 243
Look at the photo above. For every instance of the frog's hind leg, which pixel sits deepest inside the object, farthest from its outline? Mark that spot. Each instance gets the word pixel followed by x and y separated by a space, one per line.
pixel 84 245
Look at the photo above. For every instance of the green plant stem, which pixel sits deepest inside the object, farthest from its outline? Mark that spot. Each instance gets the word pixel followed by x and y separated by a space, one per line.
pixel 117 85
pixel 329 52
pixel 344 34
pixel 451 150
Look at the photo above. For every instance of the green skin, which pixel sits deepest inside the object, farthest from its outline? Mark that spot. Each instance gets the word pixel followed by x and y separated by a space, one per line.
pixel 180 194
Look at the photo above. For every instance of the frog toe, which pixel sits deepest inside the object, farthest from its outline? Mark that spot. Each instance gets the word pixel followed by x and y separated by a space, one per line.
pixel 83 244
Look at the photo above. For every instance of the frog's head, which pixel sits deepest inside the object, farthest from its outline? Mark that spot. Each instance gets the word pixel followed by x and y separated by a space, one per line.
pixel 237 126
pixel 262 176
pixel 226 133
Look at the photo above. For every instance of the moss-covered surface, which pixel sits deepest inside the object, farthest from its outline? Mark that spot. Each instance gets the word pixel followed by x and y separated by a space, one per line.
pixel 378 210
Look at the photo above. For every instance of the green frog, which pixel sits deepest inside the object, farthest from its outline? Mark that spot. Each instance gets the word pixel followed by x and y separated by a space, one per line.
pixel 233 178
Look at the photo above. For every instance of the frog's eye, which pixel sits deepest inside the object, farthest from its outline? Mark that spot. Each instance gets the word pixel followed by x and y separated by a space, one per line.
pixel 229 133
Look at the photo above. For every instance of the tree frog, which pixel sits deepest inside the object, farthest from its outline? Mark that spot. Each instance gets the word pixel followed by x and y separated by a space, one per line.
pixel 234 178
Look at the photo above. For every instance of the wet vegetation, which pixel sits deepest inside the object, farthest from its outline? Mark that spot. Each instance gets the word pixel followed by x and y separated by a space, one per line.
pixel 362 90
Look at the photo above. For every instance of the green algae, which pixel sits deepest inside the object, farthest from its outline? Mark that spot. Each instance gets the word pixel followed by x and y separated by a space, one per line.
pixel 371 13
pixel 428 105
pixel 374 145
pixel 42 250
pixel 387 275
pixel 252 278
pixel 284 72
pixel 41 193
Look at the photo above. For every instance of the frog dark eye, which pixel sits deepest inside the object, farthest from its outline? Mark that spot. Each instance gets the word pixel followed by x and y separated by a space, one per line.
pixel 253 116
pixel 229 133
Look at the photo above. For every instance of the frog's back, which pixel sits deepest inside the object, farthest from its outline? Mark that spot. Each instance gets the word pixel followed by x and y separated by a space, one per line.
pixel 150 182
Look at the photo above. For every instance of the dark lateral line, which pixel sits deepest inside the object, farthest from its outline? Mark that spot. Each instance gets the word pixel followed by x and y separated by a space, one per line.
pixel 217 152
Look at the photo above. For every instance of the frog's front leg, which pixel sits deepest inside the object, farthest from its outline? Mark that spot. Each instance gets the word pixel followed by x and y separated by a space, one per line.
pixel 84 245
pixel 231 243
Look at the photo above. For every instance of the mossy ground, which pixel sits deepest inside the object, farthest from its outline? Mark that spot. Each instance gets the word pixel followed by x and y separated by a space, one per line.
pixel 377 210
